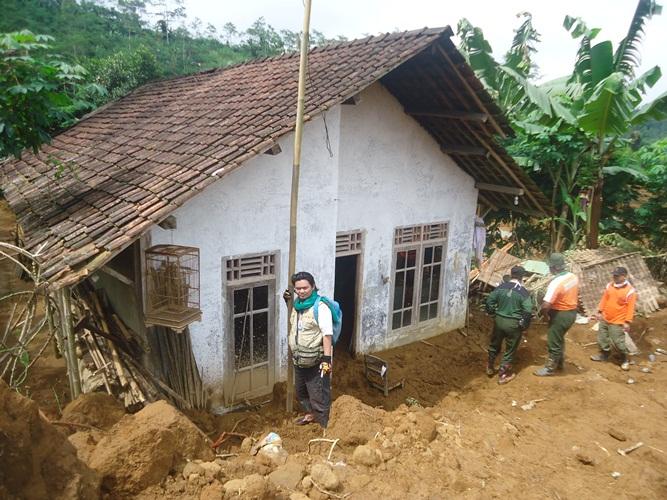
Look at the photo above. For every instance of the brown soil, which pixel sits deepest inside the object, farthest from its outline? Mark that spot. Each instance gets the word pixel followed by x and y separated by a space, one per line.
pixel 36 460
pixel 486 445
pixel 141 449
pixel 96 409
pixel 461 436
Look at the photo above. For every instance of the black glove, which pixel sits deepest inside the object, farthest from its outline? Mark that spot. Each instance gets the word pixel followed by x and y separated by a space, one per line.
pixel 287 296
pixel 325 366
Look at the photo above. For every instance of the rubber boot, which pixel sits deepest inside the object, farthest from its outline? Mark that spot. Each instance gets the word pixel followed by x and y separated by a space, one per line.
pixel 625 362
pixel 560 365
pixel 601 356
pixel 548 370
pixel 505 374
pixel 490 370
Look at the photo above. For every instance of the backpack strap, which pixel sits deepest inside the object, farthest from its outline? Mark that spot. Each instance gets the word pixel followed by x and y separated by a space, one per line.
pixel 316 310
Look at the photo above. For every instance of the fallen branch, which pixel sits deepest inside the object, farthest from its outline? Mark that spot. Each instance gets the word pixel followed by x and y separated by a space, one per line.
pixel 629 450
pixel 603 448
pixel 333 442
pixel 238 422
pixel 224 436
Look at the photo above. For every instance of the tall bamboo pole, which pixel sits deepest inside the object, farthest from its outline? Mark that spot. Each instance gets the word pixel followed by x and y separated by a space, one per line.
pixel 70 345
pixel 296 167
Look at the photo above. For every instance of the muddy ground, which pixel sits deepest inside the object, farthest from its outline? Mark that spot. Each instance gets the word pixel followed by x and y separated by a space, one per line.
pixel 467 437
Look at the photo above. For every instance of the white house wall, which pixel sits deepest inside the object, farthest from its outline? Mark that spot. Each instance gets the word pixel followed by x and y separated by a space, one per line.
pixel 392 173
pixel 247 212
pixel 382 170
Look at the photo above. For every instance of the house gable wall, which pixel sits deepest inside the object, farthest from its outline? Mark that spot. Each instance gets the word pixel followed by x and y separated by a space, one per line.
pixel 247 212
pixel 392 173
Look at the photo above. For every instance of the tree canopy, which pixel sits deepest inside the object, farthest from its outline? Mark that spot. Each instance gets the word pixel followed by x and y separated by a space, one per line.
pixel 569 129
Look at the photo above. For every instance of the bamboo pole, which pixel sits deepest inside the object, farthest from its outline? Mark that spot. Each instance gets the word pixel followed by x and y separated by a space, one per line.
pixel 70 348
pixel 296 167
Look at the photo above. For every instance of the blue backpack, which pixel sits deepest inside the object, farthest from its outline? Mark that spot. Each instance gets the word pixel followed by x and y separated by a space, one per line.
pixel 336 315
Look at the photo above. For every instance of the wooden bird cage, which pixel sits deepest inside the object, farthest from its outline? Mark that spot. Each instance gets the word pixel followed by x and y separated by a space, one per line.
pixel 172 286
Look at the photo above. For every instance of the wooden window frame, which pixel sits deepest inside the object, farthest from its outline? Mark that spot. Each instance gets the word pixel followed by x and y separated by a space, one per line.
pixel 418 236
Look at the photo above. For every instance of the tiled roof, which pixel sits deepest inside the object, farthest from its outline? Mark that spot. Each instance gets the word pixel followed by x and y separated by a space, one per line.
pixel 104 182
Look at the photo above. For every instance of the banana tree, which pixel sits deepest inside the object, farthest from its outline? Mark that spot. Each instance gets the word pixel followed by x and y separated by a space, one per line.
pixel 606 95
pixel 599 102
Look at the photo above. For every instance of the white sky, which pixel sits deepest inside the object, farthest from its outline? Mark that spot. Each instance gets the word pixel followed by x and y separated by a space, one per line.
pixel 357 18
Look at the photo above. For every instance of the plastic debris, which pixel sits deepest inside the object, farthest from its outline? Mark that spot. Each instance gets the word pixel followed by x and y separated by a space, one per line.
pixel 616 475
pixel 270 439
pixel 531 404
pixel 651 358
pixel 631 381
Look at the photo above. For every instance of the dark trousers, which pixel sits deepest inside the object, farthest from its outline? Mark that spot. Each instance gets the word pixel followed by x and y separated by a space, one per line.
pixel 559 323
pixel 313 392
pixel 506 329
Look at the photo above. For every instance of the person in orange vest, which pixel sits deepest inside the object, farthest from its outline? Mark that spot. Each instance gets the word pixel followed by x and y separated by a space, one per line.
pixel 615 313
pixel 560 306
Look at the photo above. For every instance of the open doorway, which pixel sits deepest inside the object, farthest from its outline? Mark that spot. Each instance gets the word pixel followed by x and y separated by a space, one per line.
pixel 345 292
pixel 346 289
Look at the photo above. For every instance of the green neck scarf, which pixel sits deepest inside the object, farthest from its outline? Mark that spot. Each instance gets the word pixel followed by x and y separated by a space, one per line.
pixel 302 305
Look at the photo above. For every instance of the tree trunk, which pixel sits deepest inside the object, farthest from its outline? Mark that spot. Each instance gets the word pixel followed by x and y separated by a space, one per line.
pixel 595 215
pixel 558 243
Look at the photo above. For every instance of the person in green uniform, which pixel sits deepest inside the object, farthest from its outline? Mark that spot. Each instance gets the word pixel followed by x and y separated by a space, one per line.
pixel 512 306
pixel 560 307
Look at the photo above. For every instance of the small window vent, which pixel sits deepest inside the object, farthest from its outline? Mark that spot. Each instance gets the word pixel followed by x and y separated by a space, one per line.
pixel 256 266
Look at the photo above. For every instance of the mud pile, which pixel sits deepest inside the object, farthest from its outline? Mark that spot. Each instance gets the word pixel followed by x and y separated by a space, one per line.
pixel 96 409
pixel 36 460
pixel 142 449
pixel 354 422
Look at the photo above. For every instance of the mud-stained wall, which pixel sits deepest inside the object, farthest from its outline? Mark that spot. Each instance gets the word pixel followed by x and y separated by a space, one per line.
pixel 392 173
pixel 247 212
pixel 368 167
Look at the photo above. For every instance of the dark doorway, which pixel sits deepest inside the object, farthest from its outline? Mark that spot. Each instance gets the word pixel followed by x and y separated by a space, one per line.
pixel 345 292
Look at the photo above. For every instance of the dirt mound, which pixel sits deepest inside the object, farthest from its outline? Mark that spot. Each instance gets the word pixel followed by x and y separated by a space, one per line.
pixel 353 422
pixel 141 449
pixel 36 460
pixel 96 408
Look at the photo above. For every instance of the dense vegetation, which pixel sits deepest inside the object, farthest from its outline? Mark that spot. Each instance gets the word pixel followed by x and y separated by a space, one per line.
pixel 584 138
pixel 577 136
pixel 107 48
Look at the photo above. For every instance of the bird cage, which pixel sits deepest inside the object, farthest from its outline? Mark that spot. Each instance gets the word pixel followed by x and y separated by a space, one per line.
pixel 172 286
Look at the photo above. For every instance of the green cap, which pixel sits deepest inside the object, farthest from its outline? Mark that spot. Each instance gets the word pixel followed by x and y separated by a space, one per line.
pixel 556 260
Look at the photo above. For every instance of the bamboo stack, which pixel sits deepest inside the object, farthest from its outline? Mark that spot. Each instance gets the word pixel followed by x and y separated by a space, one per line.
pixel 179 366
pixel 112 351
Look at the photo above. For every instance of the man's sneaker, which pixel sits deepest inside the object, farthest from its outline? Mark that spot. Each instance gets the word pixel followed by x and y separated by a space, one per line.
pixel 601 356
pixel 545 371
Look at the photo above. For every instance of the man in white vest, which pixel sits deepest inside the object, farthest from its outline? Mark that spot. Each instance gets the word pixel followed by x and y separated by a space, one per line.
pixel 311 343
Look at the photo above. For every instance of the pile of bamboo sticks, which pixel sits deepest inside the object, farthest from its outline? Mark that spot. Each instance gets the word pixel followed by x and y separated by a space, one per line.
pixel 111 353
pixel 178 365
